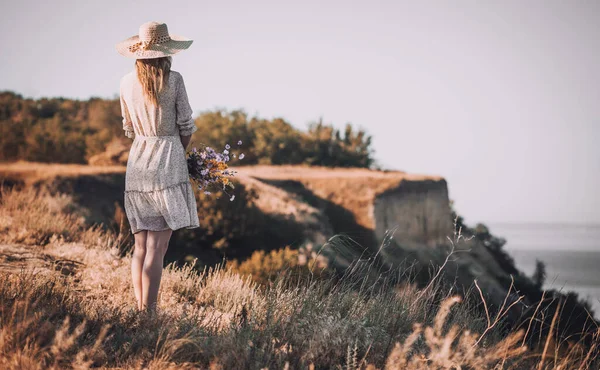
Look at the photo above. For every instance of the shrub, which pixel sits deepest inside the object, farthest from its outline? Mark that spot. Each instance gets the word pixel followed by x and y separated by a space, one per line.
pixel 276 141
pixel 539 274
pixel 226 227
pixel 266 267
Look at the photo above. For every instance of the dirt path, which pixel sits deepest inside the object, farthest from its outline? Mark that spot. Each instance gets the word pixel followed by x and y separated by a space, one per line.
pixel 16 258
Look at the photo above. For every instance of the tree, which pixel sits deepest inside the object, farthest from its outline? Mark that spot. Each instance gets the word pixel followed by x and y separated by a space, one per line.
pixel 325 146
pixel 276 142
pixel 220 127
pixel 539 274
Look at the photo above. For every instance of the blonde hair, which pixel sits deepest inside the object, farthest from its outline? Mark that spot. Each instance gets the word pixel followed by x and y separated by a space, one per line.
pixel 153 75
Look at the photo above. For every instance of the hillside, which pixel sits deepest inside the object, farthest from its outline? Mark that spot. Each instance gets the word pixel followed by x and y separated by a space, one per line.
pixel 66 303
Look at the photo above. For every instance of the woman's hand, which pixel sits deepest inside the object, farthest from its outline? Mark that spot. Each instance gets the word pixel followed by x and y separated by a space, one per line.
pixel 185 140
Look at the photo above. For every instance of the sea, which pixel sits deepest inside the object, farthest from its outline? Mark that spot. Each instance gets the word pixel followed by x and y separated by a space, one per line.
pixel 570 252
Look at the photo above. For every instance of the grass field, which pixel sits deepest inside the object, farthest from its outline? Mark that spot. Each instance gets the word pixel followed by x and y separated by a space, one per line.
pixel 66 302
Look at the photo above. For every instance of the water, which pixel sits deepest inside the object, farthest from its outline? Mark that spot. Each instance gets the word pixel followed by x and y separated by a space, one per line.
pixel 571 254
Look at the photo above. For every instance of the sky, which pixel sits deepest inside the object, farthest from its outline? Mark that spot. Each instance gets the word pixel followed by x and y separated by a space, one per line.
pixel 501 98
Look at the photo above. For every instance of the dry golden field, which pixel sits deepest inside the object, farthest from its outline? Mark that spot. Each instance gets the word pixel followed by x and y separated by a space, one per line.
pixel 66 302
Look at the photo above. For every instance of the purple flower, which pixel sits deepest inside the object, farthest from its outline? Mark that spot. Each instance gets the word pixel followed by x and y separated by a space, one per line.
pixel 242 156
pixel 205 174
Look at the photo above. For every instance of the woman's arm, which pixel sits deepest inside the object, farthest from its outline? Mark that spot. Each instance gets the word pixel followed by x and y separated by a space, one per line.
pixel 127 124
pixel 185 122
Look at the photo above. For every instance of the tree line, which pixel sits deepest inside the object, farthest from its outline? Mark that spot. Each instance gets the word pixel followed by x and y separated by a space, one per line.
pixel 60 130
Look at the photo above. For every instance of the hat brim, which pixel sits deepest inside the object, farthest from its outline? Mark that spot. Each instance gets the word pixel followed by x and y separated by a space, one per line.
pixel 171 47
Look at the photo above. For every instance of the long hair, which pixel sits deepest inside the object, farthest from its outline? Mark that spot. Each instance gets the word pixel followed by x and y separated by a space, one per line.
pixel 153 75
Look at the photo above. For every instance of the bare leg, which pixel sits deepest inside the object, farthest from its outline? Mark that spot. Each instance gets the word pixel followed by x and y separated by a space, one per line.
pixel 137 262
pixel 157 243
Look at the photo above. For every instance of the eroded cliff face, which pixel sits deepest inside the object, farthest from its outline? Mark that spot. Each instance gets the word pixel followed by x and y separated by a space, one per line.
pixel 350 199
pixel 418 212
pixel 418 215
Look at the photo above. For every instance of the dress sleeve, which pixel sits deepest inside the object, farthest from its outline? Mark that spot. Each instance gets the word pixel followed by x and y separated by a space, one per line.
pixel 185 122
pixel 127 124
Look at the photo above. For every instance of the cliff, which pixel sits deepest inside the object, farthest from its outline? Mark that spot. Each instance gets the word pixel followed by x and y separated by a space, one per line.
pixel 402 218
pixel 364 204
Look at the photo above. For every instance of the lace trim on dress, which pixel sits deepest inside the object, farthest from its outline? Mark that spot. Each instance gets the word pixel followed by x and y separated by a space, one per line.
pixel 158 190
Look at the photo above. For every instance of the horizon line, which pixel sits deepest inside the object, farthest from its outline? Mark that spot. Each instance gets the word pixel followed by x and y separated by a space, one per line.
pixel 543 223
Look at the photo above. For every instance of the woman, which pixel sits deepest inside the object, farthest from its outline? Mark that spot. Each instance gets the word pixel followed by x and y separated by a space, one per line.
pixel 157 115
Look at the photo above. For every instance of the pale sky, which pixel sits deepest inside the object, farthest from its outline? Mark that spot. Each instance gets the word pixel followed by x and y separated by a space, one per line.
pixel 502 98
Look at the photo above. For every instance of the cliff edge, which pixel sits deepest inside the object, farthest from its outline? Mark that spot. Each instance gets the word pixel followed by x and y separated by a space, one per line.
pixel 402 218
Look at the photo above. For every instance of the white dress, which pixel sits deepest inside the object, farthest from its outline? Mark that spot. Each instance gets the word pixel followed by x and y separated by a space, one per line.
pixel 158 193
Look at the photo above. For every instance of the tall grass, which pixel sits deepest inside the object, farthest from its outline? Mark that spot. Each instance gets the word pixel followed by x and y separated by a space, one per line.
pixel 219 319
pixel 37 217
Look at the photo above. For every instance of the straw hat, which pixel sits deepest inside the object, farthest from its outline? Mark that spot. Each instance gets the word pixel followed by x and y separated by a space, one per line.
pixel 152 41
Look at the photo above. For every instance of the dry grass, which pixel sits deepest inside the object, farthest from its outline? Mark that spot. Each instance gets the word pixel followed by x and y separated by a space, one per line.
pixel 35 217
pixel 85 316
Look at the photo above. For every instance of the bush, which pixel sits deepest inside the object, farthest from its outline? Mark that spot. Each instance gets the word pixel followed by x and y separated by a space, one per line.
pixel 539 274
pixel 227 229
pixel 267 267
pixel 56 130
pixel 277 142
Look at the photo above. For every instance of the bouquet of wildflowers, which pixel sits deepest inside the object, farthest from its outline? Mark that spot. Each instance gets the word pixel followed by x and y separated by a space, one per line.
pixel 208 168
